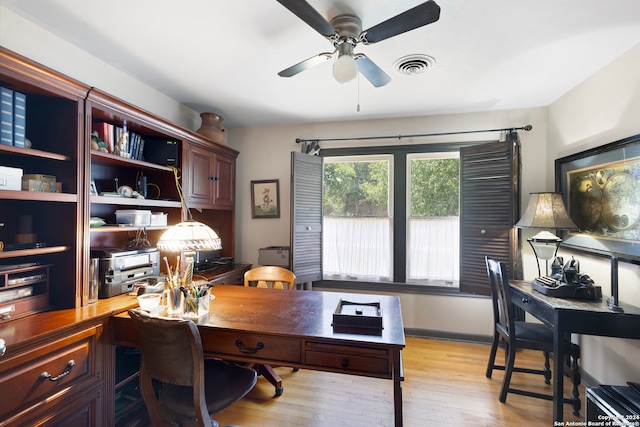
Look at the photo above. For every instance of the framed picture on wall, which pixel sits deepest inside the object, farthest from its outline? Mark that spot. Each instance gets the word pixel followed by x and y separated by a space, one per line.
pixel 265 198
pixel 601 189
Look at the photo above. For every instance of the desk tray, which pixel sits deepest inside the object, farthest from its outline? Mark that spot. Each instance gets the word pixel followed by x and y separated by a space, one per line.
pixel 358 318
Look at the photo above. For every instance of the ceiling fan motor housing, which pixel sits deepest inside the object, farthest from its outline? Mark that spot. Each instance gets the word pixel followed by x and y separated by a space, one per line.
pixel 348 28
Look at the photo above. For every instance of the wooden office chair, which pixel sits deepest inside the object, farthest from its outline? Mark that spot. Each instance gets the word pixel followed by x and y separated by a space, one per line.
pixel 517 335
pixel 270 277
pixel 179 386
pixel 275 278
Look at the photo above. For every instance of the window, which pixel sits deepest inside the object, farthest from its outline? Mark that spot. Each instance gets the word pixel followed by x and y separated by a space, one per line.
pixel 488 171
pixel 433 225
pixel 357 218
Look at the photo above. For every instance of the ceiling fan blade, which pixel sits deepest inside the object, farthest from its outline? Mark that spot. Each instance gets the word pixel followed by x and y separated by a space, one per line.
pixel 371 71
pixel 308 14
pixel 421 15
pixel 305 65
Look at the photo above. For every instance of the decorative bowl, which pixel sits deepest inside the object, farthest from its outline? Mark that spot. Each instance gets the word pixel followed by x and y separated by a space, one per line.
pixel 149 302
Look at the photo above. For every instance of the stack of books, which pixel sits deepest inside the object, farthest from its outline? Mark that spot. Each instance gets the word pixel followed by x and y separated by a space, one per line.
pixel 120 141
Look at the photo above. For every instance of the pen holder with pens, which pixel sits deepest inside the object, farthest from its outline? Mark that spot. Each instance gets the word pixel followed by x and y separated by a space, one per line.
pixel 195 303
pixel 174 300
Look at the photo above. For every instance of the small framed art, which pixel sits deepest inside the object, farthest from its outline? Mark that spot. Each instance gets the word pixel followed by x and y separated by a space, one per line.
pixel 265 199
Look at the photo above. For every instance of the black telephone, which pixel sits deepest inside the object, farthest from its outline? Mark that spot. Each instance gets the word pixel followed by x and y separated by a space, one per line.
pixel 566 281
pixel 569 273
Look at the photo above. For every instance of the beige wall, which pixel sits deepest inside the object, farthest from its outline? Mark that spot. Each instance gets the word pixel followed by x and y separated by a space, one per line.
pixel 265 154
pixel 604 108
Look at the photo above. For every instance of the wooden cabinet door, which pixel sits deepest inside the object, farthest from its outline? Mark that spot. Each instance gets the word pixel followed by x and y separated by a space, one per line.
pixel 210 179
pixel 199 181
pixel 224 181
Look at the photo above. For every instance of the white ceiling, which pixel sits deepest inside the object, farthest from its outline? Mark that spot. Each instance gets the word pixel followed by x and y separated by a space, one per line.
pixel 224 55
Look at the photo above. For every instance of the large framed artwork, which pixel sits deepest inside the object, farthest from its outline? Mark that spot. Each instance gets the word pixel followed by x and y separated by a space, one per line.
pixel 265 199
pixel 601 189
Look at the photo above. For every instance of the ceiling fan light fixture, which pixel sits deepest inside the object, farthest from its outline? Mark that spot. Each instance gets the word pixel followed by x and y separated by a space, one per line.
pixel 345 68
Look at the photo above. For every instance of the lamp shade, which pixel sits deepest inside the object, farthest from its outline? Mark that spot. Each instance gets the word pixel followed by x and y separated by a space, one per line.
pixel 345 68
pixel 189 236
pixel 546 210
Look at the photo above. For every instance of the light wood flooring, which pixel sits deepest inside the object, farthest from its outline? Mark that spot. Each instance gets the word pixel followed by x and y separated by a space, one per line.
pixel 445 385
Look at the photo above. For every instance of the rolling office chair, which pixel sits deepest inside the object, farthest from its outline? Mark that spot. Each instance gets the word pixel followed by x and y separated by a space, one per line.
pixel 178 385
pixel 275 278
pixel 523 335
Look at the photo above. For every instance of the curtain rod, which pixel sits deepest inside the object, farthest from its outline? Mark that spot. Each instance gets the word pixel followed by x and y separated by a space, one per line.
pixel 419 135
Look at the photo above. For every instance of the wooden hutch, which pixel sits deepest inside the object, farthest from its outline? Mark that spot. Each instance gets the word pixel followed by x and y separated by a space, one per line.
pixel 57 366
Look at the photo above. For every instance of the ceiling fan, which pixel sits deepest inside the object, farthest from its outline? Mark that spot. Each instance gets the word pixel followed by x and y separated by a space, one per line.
pixel 345 32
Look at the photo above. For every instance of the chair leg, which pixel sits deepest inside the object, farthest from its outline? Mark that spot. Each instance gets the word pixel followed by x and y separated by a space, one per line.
pixel 547 368
pixel 575 379
pixel 272 376
pixel 492 354
pixel 508 370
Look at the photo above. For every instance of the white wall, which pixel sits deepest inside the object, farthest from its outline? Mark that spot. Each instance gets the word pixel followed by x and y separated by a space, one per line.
pixel 604 108
pixel 33 42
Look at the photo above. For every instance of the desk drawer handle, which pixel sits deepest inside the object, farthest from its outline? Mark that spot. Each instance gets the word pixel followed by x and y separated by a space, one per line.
pixel 260 346
pixel 345 363
pixel 67 370
pixel 526 300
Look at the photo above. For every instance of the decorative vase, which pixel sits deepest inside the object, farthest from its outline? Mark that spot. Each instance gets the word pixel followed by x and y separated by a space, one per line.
pixel 212 127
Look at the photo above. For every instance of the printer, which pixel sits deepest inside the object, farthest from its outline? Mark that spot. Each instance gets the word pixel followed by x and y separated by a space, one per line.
pixel 120 269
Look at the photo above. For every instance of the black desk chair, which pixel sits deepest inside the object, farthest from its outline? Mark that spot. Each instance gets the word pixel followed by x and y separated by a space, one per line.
pixel 179 386
pixel 517 335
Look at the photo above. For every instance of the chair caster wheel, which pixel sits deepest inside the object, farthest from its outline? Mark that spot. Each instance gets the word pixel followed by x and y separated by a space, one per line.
pixel 279 391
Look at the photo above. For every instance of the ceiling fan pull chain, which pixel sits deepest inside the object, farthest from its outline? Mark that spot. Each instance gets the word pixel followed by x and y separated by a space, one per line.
pixel 358 108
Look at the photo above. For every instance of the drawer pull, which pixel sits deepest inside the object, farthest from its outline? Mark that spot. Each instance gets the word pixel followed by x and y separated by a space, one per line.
pixel 345 363
pixel 3 347
pixel 525 300
pixel 67 370
pixel 260 346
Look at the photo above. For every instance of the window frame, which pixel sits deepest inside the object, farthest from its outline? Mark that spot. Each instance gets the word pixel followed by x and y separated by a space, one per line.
pixel 400 169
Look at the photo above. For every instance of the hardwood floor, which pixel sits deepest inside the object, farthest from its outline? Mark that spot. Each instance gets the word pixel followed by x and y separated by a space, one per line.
pixel 445 385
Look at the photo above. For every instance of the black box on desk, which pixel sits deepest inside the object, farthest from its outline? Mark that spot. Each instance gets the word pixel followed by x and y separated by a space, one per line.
pixel 274 255
pixel 358 318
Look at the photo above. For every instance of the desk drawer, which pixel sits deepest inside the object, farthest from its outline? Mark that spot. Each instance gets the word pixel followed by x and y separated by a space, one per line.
pixel 252 346
pixel 52 369
pixel 538 309
pixel 348 359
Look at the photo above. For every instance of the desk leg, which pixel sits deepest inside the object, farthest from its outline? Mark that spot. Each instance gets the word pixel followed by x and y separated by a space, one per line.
pixel 558 375
pixel 398 377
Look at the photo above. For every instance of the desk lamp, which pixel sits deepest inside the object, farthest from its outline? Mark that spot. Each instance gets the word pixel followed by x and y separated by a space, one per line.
pixel 546 211
pixel 188 237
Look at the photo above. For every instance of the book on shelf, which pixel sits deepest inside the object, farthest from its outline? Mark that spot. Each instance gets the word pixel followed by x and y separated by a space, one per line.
pixel 19 118
pixel 105 132
pixel 6 116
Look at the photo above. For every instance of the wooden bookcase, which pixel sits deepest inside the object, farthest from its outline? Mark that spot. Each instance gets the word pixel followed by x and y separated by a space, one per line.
pixel 57 317
pixel 48 226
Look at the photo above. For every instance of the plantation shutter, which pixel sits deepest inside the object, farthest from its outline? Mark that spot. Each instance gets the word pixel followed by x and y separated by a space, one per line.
pixel 306 217
pixel 489 207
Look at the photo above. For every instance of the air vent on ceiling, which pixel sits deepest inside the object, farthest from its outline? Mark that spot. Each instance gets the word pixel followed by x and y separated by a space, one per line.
pixel 414 64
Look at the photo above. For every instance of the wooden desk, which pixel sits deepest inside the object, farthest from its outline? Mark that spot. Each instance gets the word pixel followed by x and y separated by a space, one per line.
pixel 294 329
pixel 566 316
